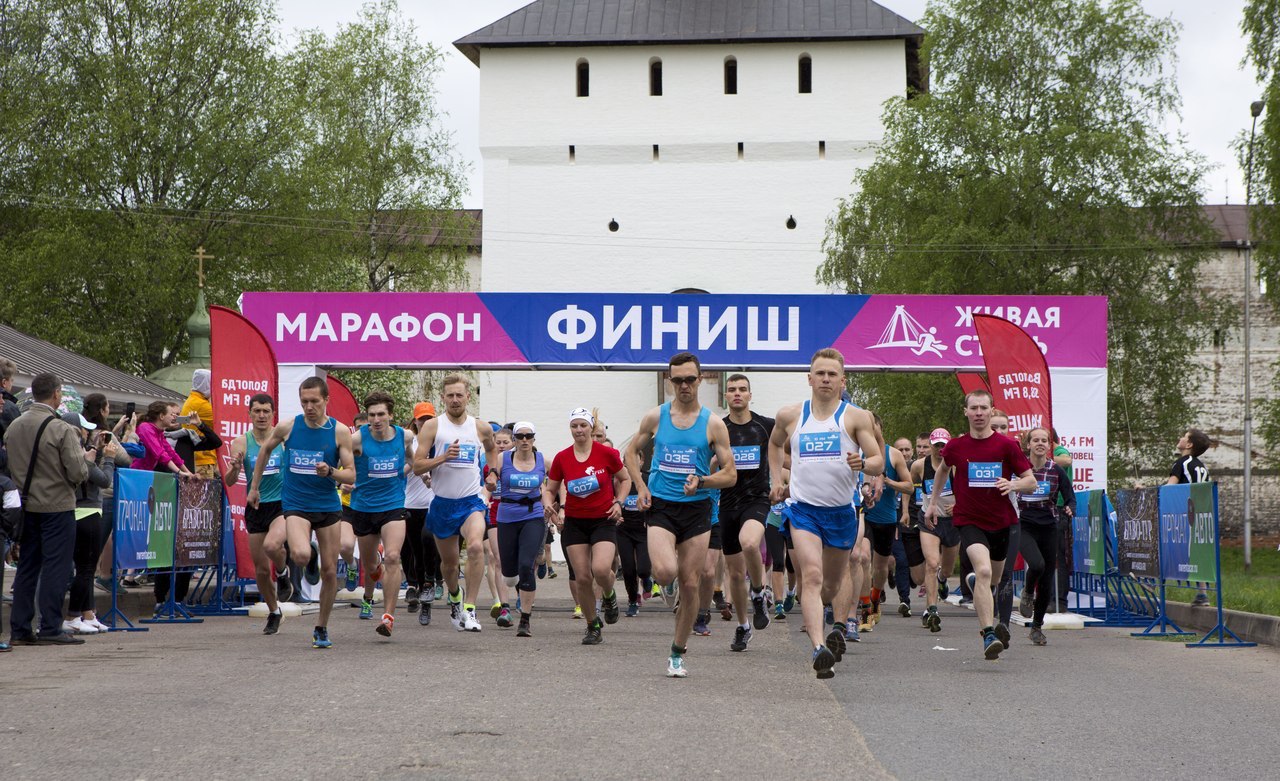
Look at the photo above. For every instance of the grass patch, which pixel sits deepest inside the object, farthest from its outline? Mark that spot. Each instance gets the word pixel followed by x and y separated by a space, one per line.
pixel 1255 591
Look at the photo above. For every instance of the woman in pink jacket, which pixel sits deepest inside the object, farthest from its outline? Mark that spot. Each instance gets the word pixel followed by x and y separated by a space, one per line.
pixel 160 455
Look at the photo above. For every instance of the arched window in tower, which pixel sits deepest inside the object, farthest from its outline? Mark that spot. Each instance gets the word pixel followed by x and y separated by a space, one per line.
pixel 806 74
pixel 655 77
pixel 584 79
pixel 730 76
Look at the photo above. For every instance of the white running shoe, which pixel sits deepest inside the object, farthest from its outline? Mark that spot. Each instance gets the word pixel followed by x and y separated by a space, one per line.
pixel 101 627
pixel 78 626
pixel 676 668
pixel 457 616
pixel 469 622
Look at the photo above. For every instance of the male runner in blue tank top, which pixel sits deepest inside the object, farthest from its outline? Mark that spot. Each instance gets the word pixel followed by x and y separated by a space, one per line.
pixel 382 456
pixel 317 453
pixel 458 440
pixel 884 514
pixel 685 437
pixel 824 436
pixel 265 523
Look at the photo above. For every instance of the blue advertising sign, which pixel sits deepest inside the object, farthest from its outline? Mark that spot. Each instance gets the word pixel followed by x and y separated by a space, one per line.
pixel 146 508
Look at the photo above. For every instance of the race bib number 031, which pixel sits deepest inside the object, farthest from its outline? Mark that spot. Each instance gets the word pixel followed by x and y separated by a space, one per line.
pixel 984 474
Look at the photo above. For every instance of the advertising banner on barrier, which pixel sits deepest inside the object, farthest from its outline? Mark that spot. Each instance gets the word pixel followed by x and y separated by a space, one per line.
pixel 1088 531
pixel 199 530
pixel 1017 373
pixel 146 508
pixel 1187 522
pixel 1138 521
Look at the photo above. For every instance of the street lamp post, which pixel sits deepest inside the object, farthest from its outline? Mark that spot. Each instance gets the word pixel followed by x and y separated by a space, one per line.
pixel 1255 109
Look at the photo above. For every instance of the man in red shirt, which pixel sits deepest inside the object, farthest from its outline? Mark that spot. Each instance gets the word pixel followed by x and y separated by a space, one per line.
pixel 987 469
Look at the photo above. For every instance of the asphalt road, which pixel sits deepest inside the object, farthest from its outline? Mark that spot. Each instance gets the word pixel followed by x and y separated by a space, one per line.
pixel 220 700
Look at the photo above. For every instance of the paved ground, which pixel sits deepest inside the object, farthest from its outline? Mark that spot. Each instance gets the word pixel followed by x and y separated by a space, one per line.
pixel 219 700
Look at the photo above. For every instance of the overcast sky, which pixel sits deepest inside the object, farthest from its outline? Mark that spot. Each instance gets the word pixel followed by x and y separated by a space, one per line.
pixel 1216 92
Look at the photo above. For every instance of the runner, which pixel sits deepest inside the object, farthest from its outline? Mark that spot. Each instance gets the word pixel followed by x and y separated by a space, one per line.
pixel 346 532
pixel 265 522
pixel 1004 599
pixel 317 453
pixel 522 514
pixel 595 485
pixel 900 575
pixel 983 462
pixel 685 438
pixel 744 507
pixel 824 435
pixel 501 609
pixel 457 509
pixel 633 552
pixel 884 515
pixel 778 548
pixel 1039 545
pixel 382 456
pixel 420 556
pixel 939 539
pixel 707 583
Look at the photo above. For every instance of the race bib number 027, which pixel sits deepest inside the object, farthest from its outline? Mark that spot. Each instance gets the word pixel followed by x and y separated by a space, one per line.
pixel 818 446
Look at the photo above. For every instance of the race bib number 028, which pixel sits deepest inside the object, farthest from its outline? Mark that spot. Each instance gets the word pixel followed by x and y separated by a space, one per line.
pixel 746 456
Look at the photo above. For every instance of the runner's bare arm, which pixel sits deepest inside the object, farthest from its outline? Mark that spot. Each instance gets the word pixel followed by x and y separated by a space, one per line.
pixel 278 435
pixel 491 455
pixel 778 439
pixel 355 443
pixel 904 485
pixel 551 499
pixel 345 473
pixel 422 460
pixel 648 427
pixel 408 456
pixel 862 430
pixel 727 475
pixel 232 474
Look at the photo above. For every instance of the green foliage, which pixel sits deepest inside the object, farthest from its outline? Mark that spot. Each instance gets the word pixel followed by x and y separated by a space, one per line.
pixel 1038 164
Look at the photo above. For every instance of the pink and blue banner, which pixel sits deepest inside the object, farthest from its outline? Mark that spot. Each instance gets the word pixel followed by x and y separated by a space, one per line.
pixel 642 330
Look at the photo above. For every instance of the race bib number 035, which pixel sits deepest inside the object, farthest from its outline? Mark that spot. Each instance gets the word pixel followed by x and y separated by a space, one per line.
pixel 678 459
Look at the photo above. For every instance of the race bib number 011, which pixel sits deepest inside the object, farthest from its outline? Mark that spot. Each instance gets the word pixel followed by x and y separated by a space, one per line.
pixel 819 446
pixel 984 474
pixel 523 482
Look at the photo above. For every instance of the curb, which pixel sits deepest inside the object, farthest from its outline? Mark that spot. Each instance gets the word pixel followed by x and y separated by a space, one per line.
pixel 1252 627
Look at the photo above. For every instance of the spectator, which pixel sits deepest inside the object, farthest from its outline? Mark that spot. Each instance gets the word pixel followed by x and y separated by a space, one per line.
pixel 10 521
pixel 206 464
pixel 97 410
pixel 89 533
pixel 162 417
pixel 48 462
pixel 8 407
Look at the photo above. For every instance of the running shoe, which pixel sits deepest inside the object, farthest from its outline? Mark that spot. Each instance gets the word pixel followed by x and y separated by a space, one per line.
pixel 593 635
pixel 944 590
pixel 971 580
pixel 523 629
pixel 577 611
pixel 542 570
pixel 551 571
pixel 284 586
pixel 610 605
pixel 655 591
pixel 440 591
pixel 1037 636
pixel 1201 600
pixel 823 662
pixel 760 612
pixel 864 622
pixel 424 614
pixel 671 593
pixel 385 625
pixel 469 622
pixel 495 610
pixel 904 610
pixel 741 636
pixel 320 638
pixel 1002 633
pixel 78 626
pixel 779 612
pixel 789 601
pixel 676 668
pixel 893 580
pixel 102 584
pixel 835 642
pixel 991 646
pixel 273 624
pixel 366 610
pixel 633 609
pixel 312 571
pixel 828 617
pixel 456 614
pixel 428 592
pixel 411 599
pixel 101 626
pixel 933 620
pixel 726 610
pixel 504 618
pixel 851 633
pixel 353 577
pixel 875 615
pixel 1027 605
pixel 768 596
pixel 702 626
pixel 921 592
pixel 375 576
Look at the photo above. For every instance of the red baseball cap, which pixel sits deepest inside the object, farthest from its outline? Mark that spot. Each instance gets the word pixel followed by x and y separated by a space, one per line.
pixel 939 436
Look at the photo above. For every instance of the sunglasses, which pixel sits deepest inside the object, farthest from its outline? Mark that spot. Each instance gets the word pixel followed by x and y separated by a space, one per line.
pixel 684 380
pixel 523 436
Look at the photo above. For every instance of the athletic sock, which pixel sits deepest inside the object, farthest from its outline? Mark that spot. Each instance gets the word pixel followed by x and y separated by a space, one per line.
pixel 277 611
pixel 456 597
pixel 677 650
pixel 282 573
pixel 744 626
pixel 613 594
pixel 469 607
pixel 875 596
pixel 525 616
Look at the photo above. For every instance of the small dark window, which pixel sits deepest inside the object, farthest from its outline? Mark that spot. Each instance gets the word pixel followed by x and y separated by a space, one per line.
pixel 730 76
pixel 655 153
pixel 806 74
pixel 822 150
pixel 584 79
pixel 655 77
pixel 1219 338
pixel 573 156
pixel 741 149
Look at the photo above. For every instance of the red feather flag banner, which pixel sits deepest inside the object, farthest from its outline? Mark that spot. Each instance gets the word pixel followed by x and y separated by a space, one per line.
pixel 342 402
pixel 971 381
pixel 1017 372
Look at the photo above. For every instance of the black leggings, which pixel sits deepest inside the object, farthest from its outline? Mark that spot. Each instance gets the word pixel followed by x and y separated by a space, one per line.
pixel 182 584
pixel 633 547
pixel 428 567
pixel 776 545
pixel 412 553
pixel 1004 594
pixel 88 547
pixel 519 544
pixel 1040 550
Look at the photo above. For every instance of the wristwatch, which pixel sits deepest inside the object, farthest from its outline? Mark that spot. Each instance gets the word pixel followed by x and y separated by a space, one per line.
pixel 701 481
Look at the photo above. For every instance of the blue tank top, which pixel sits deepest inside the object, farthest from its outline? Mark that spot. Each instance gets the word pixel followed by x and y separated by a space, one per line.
pixel 885 511
pixel 303 489
pixel 520 493
pixel 380 481
pixel 678 453
pixel 269 488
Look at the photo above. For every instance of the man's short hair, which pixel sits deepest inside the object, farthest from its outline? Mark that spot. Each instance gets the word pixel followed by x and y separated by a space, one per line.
pixel 316 383
pixel 922 435
pixel 830 353
pixel 7 369
pixel 380 397
pixel 680 359
pixel 44 385
pixel 262 398
pixel 455 379
pixel 1199 440
pixel 979 392
pixel 738 378
pixel 360 418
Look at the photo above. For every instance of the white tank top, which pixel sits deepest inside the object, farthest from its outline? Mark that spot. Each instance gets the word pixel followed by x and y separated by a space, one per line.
pixel 417 496
pixel 459 477
pixel 820 475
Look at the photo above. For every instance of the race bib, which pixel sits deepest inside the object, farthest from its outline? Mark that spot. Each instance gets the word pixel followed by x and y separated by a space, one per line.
pixel 920 495
pixel 384 468
pixel 984 474
pixel 631 503
pixel 466 454
pixel 523 482
pixel 273 464
pixel 746 456
pixel 678 459
pixel 583 486
pixel 946 487
pixel 303 462
pixel 1041 494
pixel 819 446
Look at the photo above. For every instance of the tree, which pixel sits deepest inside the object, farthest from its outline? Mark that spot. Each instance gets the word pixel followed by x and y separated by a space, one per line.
pixel 1036 164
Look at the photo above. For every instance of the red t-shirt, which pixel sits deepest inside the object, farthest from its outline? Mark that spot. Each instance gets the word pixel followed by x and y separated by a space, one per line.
pixel 976 464
pixel 588 484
